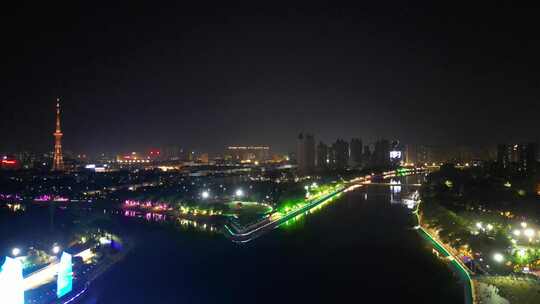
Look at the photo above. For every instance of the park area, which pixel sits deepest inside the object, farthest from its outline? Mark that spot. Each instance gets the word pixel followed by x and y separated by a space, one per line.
pixel 522 290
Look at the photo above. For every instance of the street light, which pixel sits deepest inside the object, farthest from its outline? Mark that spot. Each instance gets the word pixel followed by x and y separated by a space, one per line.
pixel 56 249
pixel 517 232
pixel 499 258
pixel 529 233
pixel 205 194
pixel 523 225
pixel 239 193
pixel 15 251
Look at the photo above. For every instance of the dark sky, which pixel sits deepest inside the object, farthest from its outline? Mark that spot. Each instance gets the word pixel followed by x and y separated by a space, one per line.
pixel 133 77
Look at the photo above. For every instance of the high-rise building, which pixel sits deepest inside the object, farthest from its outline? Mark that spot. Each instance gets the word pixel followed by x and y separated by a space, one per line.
pixel 356 152
pixel 381 153
pixel 58 159
pixel 173 153
pixel 339 158
pixel 204 158
pixel 366 156
pixel 322 156
pixel 528 157
pixel 521 157
pixel 306 153
pixel 417 154
pixel 396 153
pixel 506 155
pixel 247 153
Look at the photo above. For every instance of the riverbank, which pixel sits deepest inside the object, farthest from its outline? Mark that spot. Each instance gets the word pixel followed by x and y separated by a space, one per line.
pixel 454 262
pixel 485 287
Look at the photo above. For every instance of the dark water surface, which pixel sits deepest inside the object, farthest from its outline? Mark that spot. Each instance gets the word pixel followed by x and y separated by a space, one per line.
pixel 358 249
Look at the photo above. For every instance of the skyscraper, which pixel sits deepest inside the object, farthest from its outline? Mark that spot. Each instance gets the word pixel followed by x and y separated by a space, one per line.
pixel 340 154
pixel 366 156
pixel 322 155
pixel 356 152
pixel 521 157
pixel 381 153
pixel 306 153
pixel 396 152
pixel 417 154
pixel 58 160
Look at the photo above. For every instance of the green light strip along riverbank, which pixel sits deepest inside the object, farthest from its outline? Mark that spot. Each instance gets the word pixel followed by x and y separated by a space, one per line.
pixel 461 270
pixel 257 231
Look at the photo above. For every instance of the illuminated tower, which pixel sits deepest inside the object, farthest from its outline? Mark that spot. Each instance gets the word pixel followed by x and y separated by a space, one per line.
pixel 64 281
pixel 11 282
pixel 58 160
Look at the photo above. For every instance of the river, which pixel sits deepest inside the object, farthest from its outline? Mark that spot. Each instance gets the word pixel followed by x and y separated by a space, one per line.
pixel 359 248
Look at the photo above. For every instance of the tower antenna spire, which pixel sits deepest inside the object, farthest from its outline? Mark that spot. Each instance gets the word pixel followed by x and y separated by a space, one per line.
pixel 58 159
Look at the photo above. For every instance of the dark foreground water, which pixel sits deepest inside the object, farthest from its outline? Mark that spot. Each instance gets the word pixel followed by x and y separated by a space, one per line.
pixel 358 249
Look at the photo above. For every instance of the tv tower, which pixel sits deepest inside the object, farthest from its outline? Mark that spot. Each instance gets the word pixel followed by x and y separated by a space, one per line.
pixel 58 160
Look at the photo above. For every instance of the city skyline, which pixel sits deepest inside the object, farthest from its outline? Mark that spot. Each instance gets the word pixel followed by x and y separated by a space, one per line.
pixel 260 76
pixel 218 151
pixel 195 152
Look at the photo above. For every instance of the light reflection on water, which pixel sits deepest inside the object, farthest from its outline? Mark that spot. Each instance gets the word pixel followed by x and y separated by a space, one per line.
pixel 162 218
pixel 393 193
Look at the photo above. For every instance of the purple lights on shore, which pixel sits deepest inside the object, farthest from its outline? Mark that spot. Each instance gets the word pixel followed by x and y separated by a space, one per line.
pixel 15 197
pixel 147 204
pixel 50 198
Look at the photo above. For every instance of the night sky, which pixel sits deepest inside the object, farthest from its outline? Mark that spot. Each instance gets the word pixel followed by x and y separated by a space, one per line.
pixel 133 77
